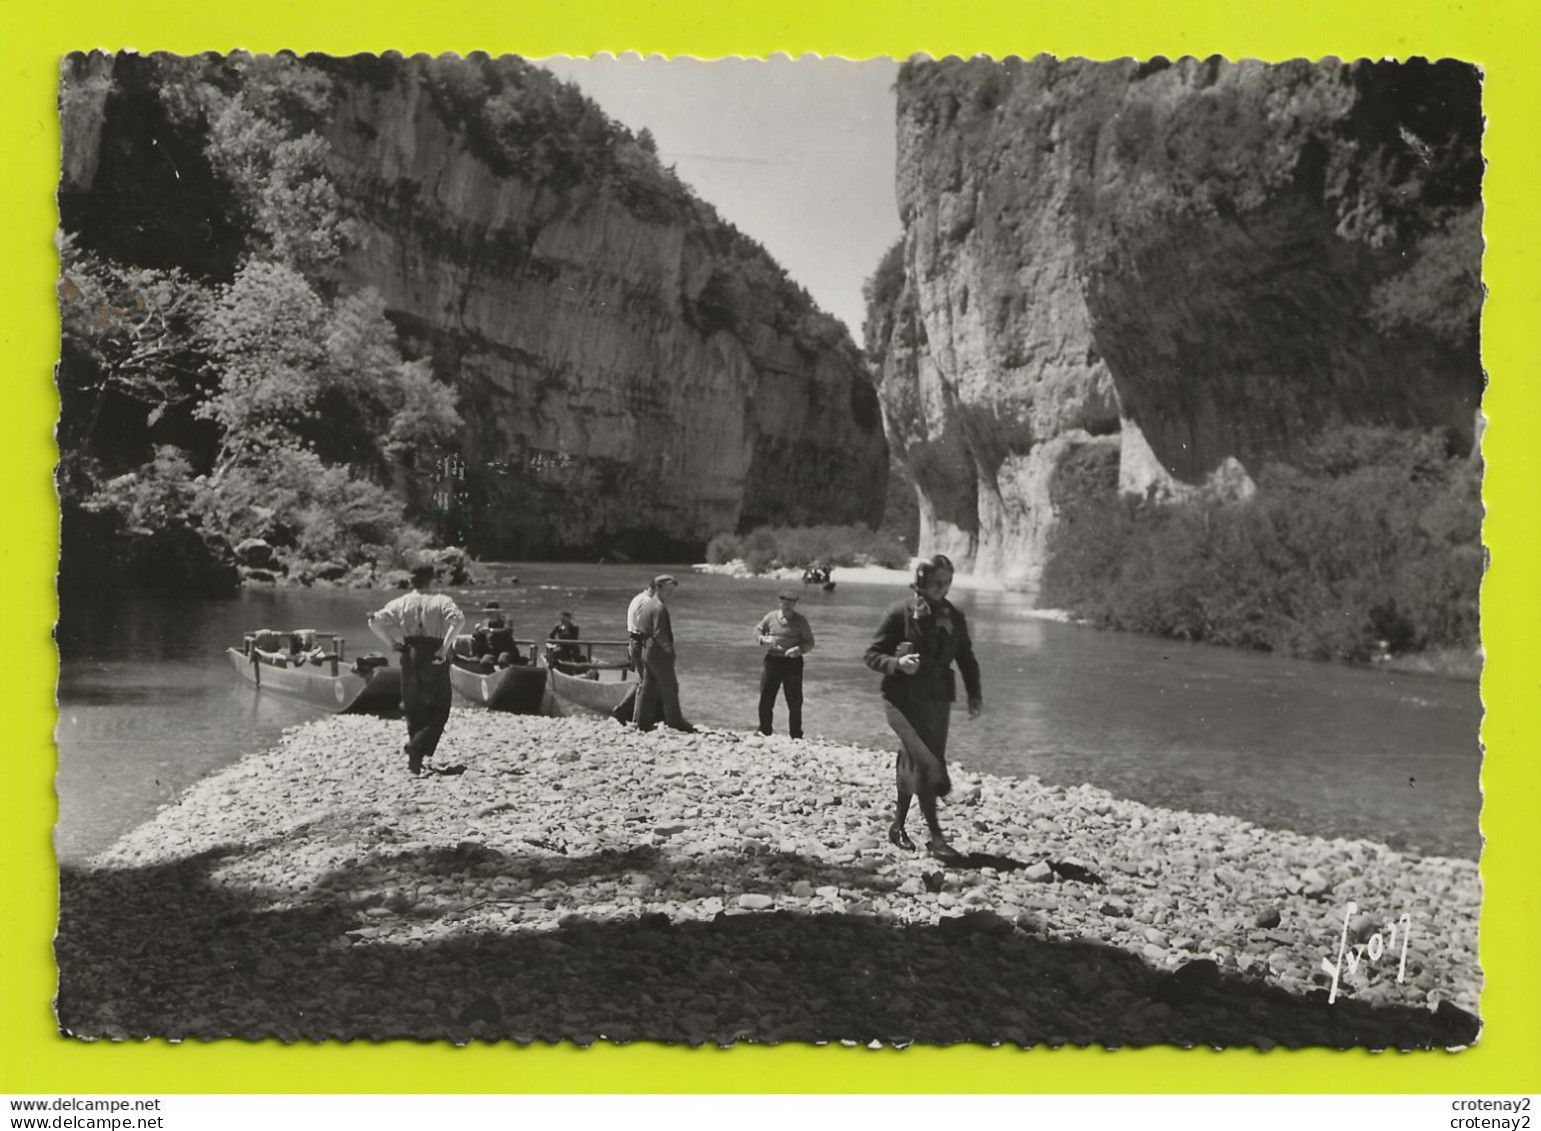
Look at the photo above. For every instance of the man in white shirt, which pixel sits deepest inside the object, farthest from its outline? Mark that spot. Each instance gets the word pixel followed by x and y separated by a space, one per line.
pixel 633 633
pixel 422 627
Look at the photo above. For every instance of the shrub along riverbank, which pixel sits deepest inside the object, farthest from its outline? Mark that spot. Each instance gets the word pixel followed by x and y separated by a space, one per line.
pixel 1367 548
pixel 796 547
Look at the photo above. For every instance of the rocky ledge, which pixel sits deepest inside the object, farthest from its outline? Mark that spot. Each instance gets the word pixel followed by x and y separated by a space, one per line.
pixel 570 879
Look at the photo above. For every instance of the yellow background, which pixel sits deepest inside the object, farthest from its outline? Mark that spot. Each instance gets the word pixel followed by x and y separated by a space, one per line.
pixel 1501 37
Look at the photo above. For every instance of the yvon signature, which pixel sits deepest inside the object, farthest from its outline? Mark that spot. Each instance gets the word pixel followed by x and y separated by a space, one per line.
pixel 1373 949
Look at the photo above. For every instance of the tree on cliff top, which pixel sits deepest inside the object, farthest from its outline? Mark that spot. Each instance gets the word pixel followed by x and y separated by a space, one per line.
pixel 259 115
pixel 881 293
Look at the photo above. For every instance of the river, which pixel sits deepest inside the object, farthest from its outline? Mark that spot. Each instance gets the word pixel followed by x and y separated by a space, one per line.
pixel 148 704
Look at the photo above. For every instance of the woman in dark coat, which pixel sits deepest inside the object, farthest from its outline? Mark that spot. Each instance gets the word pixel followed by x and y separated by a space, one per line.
pixel 915 647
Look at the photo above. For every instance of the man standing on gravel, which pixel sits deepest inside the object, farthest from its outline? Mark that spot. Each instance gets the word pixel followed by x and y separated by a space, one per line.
pixel 786 636
pixel 660 689
pixel 422 627
pixel 633 634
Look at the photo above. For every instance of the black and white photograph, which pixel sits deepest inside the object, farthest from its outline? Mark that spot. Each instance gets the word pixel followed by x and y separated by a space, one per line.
pixel 891 552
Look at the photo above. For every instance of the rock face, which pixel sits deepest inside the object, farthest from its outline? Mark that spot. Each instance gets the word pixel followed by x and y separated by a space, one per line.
pixel 633 373
pixel 1200 262
pixel 603 401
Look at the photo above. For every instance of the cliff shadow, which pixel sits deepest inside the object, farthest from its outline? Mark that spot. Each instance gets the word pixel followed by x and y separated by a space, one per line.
pixel 175 951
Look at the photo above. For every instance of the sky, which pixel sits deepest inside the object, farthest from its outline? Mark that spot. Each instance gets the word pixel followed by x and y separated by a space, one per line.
pixel 796 153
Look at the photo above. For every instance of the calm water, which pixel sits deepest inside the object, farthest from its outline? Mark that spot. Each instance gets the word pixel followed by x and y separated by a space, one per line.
pixel 148 704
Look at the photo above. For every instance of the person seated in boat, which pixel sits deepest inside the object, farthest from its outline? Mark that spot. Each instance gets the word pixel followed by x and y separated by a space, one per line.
pixel 563 657
pixel 267 646
pixel 304 648
pixel 465 654
pixel 500 640
pixel 492 640
pixel 479 631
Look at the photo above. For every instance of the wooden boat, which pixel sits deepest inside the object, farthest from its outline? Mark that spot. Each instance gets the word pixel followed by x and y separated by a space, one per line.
pixel 588 686
pixel 519 688
pixel 819 575
pixel 312 666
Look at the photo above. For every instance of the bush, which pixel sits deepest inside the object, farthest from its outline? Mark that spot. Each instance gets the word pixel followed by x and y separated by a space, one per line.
pixel 723 548
pixel 137 531
pixel 758 550
pixel 1368 545
pixel 309 510
pixel 797 547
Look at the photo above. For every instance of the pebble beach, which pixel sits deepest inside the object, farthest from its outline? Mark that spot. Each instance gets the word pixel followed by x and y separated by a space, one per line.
pixel 570 879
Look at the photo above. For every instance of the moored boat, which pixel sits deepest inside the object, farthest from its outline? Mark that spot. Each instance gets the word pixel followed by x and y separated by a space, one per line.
pixel 312 666
pixel 520 688
pixel 588 686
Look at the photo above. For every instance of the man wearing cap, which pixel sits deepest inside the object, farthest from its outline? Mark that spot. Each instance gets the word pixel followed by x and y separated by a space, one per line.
pixel 422 626
pixel 785 635
pixel 659 692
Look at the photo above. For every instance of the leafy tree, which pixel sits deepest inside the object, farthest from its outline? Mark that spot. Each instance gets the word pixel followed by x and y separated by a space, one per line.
pixel 423 416
pixel 265 330
pixel 304 396
pixel 310 510
pixel 146 518
pixel 295 373
pixel 1442 290
pixel 132 333
pixel 399 402
pixel 155 498
pixel 258 142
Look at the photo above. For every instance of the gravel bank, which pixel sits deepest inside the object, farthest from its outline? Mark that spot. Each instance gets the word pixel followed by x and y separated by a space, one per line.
pixel 580 881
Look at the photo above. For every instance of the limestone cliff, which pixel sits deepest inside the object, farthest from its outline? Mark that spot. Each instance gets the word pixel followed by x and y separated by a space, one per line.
pixel 1201 262
pixel 613 391
pixel 633 373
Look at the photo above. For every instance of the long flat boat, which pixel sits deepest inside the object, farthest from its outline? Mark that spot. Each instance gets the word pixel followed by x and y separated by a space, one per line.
pixel 311 666
pixel 520 688
pixel 587 686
